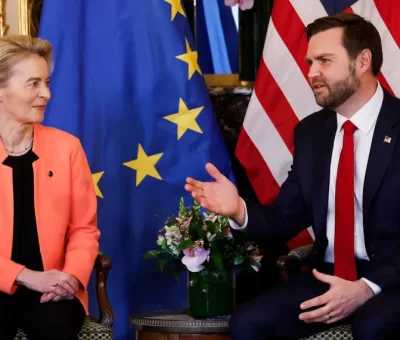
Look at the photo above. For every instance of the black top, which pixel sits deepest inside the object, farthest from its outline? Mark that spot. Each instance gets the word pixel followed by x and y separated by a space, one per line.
pixel 26 250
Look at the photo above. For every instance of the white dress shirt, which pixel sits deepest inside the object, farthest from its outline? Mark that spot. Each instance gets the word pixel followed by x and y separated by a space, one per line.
pixel 365 121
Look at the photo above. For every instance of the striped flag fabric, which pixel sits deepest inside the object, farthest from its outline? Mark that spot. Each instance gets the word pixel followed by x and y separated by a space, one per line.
pixel 282 94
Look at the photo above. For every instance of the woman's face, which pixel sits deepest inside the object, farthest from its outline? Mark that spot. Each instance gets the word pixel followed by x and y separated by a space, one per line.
pixel 27 93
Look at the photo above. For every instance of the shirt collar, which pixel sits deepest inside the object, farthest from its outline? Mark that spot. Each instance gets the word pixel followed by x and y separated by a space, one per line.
pixel 365 117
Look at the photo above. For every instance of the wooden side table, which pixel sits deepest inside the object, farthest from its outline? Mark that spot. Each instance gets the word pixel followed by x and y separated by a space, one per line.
pixel 177 325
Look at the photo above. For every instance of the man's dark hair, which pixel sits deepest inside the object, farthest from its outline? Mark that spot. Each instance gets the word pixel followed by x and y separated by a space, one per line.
pixel 358 34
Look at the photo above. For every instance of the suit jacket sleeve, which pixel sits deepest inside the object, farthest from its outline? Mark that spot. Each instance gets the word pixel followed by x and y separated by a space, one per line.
pixel 385 273
pixel 288 215
pixel 82 233
pixel 9 270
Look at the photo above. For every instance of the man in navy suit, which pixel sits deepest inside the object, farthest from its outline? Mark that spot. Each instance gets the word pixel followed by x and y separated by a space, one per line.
pixel 345 183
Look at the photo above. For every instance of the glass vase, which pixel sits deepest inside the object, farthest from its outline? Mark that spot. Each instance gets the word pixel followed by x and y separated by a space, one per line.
pixel 211 293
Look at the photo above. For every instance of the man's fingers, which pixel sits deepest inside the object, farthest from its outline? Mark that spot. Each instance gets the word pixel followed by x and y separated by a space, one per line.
pixel 320 313
pixel 333 319
pixel 315 302
pixel 193 184
pixel 328 319
pixel 214 172
pixel 324 277
pixel 193 190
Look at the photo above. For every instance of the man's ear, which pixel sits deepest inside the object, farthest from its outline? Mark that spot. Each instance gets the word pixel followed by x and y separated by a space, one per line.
pixel 364 61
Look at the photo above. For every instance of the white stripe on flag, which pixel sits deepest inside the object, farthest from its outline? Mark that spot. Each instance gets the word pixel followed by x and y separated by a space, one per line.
pixel 289 77
pixel 391 52
pixel 308 13
pixel 267 140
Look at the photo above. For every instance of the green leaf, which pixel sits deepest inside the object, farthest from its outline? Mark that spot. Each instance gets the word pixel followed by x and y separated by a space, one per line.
pixel 211 226
pixel 217 259
pixel 196 208
pixel 185 244
pixel 238 260
pixel 161 263
pixel 152 254
pixel 200 231
pixel 193 280
pixel 217 244
pixel 164 245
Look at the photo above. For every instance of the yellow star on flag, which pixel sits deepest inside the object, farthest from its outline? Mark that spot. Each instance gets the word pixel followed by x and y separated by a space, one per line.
pixel 185 119
pixel 96 178
pixel 190 57
pixel 144 165
pixel 176 7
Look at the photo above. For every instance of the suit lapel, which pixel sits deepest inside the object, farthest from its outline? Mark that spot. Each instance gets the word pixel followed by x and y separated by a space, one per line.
pixel 6 205
pixel 321 171
pixel 383 143
pixel 40 182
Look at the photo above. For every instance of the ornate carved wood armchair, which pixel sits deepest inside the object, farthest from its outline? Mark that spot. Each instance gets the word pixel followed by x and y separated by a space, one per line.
pixel 94 329
pixel 291 264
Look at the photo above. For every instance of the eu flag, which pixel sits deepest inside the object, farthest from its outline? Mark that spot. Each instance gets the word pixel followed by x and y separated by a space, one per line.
pixel 128 84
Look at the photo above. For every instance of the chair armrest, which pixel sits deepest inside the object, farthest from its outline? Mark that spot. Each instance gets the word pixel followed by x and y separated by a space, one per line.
pixel 102 267
pixel 290 264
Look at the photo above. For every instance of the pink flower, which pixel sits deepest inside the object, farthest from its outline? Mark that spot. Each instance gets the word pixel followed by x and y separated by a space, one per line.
pixel 243 4
pixel 194 258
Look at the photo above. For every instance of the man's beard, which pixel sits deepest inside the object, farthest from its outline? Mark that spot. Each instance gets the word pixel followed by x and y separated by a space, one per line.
pixel 339 91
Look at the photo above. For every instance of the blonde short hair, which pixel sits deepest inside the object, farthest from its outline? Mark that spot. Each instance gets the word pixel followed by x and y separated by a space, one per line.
pixel 15 48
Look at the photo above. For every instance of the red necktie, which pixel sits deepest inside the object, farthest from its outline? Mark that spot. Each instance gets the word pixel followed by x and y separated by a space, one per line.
pixel 345 262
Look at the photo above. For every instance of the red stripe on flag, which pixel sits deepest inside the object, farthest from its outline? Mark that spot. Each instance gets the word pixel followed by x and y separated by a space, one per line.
pixel 348 10
pixel 389 11
pixel 260 177
pixel 384 83
pixel 292 31
pixel 300 240
pixel 275 105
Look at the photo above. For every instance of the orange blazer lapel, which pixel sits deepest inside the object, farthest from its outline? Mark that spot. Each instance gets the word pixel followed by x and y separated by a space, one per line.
pixel 6 205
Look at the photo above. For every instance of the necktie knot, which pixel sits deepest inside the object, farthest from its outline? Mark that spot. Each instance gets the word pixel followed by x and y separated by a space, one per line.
pixel 349 128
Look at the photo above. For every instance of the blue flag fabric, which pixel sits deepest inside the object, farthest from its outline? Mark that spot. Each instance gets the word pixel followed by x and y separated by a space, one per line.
pixel 127 83
pixel 217 37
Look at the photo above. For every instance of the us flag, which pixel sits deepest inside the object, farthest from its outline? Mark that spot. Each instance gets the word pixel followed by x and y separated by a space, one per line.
pixel 282 94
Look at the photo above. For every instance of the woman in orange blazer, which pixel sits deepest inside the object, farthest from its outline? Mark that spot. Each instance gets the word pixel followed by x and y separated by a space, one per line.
pixel 48 208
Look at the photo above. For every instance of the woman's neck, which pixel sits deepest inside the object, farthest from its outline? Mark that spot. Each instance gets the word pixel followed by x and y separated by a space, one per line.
pixel 17 138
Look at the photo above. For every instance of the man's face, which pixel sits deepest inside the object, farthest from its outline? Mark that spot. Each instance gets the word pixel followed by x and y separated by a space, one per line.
pixel 332 74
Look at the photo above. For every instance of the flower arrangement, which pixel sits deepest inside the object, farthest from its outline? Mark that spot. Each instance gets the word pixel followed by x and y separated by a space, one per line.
pixel 193 241
pixel 243 4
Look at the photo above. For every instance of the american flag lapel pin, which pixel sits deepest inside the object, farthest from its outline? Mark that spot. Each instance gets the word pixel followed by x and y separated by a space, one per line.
pixel 387 139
